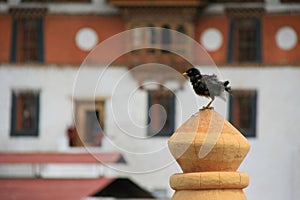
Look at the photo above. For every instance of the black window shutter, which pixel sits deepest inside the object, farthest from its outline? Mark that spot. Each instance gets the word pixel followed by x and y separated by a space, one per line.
pixel 41 40
pixel 253 114
pixel 258 41
pixel 231 41
pixel 171 114
pixel 37 115
pixel 13 114
pixel 13 50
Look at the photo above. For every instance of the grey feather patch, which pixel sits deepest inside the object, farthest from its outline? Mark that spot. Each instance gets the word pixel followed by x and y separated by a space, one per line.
pixel 215 87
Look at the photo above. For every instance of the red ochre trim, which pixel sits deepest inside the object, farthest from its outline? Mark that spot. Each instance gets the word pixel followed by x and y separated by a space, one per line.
pixel 54 157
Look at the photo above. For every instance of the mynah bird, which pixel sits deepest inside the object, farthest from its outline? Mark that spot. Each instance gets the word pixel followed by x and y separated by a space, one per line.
pixel 207 85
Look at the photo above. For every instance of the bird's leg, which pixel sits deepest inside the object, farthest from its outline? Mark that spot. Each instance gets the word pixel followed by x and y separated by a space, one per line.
pixel 208 105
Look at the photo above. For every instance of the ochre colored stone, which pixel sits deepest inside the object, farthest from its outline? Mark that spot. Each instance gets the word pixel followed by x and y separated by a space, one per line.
pixel 216 194
pixel 209 150
pixel 209 180
pixel 208 142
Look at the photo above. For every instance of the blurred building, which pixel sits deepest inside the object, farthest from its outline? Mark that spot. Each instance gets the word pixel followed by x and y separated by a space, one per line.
pixel 255 45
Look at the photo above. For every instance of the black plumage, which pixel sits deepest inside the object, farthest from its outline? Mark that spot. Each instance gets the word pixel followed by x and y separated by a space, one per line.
pixel 207 85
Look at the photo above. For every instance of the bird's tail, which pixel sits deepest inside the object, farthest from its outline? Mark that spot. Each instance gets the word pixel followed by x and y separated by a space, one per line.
pixel 227 88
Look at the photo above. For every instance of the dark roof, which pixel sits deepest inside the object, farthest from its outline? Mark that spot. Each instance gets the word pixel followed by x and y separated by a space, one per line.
pixel 123 188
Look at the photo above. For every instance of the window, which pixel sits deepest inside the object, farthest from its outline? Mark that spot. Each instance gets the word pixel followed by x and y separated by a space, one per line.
pixel 242 111
pixel 25 113
pixel 245 35
pixel 57 1
pixel 27 35
pixel 166 38
pixel 180 29
pixel 162 38
pixel 290 1
pixel 240 1
pixel 152 39
pixel 161 106
pixel 89 117
pixel 153 35
pixel 245 40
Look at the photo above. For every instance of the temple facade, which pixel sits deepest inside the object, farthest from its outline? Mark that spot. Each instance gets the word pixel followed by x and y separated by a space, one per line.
pixel 81 76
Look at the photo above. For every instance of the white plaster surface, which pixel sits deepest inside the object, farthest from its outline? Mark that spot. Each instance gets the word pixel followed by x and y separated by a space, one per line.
pixel 286 38
pixel 86 39
pixel 211 39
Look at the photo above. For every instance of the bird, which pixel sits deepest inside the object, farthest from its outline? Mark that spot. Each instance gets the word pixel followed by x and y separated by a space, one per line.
pixel 207 85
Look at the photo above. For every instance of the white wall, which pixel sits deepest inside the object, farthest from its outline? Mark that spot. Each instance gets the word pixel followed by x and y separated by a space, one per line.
pixel 273 158
pixel 270 6
pixel 96 7
pixel 55 111
pixel 270 163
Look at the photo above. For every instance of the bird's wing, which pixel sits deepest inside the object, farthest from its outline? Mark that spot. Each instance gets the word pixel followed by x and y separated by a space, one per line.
pixel 211 78
pixel 215 87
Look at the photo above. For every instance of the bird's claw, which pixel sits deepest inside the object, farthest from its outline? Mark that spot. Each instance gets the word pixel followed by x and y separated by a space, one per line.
pixel 206 107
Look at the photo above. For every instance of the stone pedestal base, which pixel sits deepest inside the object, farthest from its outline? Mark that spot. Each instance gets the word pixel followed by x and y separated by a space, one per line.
pixel 209 185
pixel 212 194
pixel 209 150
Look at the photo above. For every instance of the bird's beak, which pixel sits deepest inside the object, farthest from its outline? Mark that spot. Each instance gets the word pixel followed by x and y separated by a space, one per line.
pixel 184 73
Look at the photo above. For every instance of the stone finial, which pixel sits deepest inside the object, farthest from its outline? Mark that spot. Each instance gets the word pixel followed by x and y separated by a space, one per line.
pixel 209 150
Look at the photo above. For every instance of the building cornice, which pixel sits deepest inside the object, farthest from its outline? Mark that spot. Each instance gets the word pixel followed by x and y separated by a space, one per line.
pixel 157 3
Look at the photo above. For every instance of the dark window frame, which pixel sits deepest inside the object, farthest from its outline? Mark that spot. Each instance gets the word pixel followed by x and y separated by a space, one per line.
pixel 162 37
pixel 169 125
pixel 249 132
pixel 233 55
pixel 235 1
pixel 16 44
pixel 34 131
pixel 57 1
pixel 83 134
pixel 290 1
